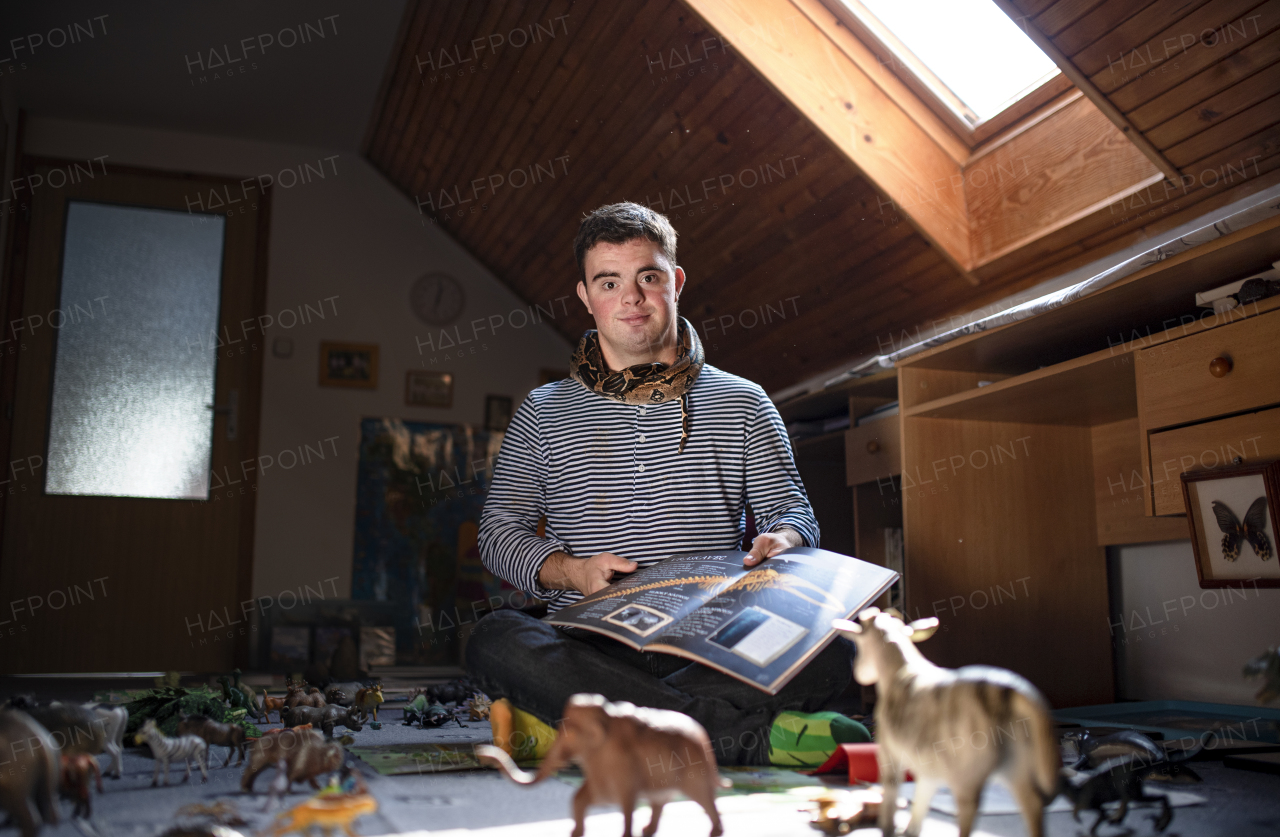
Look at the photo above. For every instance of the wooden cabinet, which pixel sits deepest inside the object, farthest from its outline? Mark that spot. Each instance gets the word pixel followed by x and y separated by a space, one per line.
pixel 1028 449
pixel 1218 371
pixel 1248 438
pixel 873 451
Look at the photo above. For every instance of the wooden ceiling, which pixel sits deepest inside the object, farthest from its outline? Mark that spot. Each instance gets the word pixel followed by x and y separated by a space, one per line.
pixel 797 259
pixel 1198 81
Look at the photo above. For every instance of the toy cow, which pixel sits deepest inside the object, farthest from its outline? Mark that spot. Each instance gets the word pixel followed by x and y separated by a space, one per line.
pixel 305 753
pixel 626 753
pixel 951 727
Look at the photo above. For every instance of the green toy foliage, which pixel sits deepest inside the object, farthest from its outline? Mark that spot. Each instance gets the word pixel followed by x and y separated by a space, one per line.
pixel 167 704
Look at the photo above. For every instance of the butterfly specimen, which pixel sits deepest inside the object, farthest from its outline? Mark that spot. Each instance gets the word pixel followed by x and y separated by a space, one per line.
pixel 1255 520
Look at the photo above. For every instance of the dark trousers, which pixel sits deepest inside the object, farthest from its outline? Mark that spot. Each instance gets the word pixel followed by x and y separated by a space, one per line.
pixel 537 667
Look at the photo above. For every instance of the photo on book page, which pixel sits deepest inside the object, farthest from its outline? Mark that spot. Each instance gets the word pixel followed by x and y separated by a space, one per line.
pixel 760 624
pixel 757 635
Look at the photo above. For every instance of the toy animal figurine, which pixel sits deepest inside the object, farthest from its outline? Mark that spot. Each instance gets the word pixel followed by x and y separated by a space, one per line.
pixel 1001 722
pixel 455 691
pixel 74 728
pixel 845 811
pixel 165 749
pixel 236 698
pixel 305 752
pixel 297 697
pixel 626 753
pixel 1266 666
pixel 76 772
pixel 1092 752
pixel 231 736
pixel 325 718
pixel 1115 780
pixel 272 704
pixel 114 720
pixel 416 708
pixel 437 716
pixel 478 706
pixel 327 811
pixel 367 700
pixel 29 782
pixel 343 693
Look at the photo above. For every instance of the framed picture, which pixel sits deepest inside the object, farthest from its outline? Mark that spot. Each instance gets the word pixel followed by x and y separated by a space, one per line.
pixel 497 413
pixel 1232 514
pixel 349 365
pixel 428 389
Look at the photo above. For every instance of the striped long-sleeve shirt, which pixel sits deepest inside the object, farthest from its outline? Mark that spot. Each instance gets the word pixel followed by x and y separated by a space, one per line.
pixel 608 478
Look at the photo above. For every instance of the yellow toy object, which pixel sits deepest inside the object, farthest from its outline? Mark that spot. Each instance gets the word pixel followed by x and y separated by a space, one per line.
pixel 329 811
pixel 368 699
pixel 517 733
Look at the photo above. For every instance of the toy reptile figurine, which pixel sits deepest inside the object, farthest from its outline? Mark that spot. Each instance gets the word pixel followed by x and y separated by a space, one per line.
pixel 1093 752
pixel 238 695
pixel 1115 780
pixel 416 708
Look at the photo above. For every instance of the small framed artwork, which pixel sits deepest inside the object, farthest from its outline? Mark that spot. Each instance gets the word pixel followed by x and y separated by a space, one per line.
pixel 349 365
pixel 1232 514
pixel 497 413
pixel 428 389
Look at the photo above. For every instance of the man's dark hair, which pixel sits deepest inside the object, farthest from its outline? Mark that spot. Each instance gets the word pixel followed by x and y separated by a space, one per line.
pixel 619 223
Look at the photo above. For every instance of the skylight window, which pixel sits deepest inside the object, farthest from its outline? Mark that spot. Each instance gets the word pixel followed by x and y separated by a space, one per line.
pixel 982 61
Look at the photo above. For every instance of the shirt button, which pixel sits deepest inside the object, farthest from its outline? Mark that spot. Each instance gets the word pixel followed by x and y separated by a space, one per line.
pixel 642 438
pixel 644 411
pixel 641 468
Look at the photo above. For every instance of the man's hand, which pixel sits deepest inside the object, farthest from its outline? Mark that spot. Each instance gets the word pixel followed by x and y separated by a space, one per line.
pixel 562 571
pixel 770 544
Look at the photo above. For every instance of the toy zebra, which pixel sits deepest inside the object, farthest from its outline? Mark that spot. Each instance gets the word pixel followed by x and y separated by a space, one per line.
pixel 164 749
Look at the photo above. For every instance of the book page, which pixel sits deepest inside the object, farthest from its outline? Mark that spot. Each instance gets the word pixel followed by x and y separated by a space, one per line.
pixel 640 607
pixel 765 625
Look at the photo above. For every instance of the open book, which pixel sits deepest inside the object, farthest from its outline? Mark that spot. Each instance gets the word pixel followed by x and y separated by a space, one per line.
pixel 760 624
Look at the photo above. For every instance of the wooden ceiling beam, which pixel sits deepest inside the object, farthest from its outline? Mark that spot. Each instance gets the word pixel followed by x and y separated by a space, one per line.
pixel 798 59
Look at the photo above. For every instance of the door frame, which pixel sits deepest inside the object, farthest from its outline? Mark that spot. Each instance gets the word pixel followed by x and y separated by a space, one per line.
pixel 11 305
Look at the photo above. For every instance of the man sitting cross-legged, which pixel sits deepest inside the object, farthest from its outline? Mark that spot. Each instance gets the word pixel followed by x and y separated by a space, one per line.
pixel 646 451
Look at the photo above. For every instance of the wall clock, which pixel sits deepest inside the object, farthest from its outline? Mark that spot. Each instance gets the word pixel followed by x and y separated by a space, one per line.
pixel 437 298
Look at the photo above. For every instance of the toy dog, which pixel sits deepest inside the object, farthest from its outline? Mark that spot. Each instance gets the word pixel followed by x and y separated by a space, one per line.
pixel 76 770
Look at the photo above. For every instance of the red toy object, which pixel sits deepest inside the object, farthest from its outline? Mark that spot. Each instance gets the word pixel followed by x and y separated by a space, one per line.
pixel 861 761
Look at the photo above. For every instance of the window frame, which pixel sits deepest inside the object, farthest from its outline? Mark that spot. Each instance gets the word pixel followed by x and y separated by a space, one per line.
pixel 894 56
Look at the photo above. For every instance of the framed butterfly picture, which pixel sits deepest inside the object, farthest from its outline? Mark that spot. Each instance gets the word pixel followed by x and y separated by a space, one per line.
pixel 1232 513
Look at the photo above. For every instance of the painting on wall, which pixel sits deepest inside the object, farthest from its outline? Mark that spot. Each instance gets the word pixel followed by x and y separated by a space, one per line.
pixel 348 364
pixel 420 490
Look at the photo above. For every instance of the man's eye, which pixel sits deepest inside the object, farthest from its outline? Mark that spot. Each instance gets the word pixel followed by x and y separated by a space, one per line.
pixel 608 286
pixel 652 277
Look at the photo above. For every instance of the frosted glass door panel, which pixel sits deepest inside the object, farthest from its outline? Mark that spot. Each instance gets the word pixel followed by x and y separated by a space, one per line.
pixel 134 367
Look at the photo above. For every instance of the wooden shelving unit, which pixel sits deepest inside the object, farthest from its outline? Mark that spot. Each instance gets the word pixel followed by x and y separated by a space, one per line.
pixel 1025 454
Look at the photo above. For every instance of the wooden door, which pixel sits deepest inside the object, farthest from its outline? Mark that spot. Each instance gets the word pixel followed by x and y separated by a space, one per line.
pixel 93 582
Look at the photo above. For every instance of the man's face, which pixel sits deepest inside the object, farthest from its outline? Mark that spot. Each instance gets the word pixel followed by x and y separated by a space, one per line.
pixel 631 290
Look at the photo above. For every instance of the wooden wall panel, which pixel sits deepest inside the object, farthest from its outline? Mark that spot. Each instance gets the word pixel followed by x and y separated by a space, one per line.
pixel 1047 177
pixel 1001 546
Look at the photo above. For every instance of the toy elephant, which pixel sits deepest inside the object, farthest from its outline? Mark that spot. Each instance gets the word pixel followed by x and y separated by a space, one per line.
pixel 627 753
pixel 29 784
